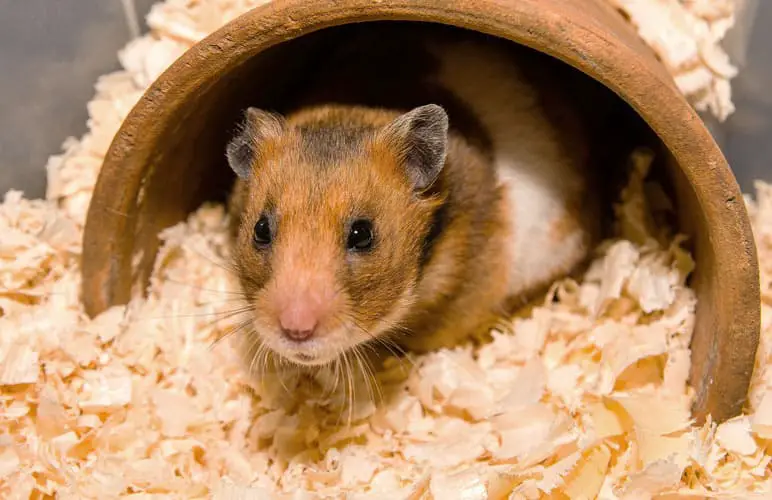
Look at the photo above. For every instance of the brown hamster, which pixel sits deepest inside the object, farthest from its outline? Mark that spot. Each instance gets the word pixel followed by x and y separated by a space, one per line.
pixel 421 221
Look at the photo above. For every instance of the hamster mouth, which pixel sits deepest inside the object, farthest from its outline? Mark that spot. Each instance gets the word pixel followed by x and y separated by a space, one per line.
pixel 305 359
pixel 310 353
pixel 328 345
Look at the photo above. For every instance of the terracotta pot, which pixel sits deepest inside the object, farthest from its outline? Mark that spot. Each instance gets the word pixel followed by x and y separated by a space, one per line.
pixel 168 155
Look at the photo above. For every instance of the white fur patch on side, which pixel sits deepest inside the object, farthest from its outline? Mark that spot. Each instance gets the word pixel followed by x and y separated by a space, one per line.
pixel 538 177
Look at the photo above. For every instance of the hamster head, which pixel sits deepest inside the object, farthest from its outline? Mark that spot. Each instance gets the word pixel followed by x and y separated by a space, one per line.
pixel 337 206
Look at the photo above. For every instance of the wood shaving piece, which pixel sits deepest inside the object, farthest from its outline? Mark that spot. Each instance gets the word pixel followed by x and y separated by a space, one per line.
pixel 108 325
pixel 735 436
pixel 176 412
pixel 229 491
pixel 527 390
pixel 717 61
pixel 65 442
pixel 664 437
pixel 630 345
pixel 357 467
pixel 9 463
pixel 105 391
pixel 605 422
pixel 20 363
pixel 464 485
pixel 617 267
pixel 52 417
pixel 762 418
pixel 653 285
pixel 676 372
pixel 672 413
pixel 586 479
pixel 530 436
pixel 448 450
pixel 656 478
pixel 554 476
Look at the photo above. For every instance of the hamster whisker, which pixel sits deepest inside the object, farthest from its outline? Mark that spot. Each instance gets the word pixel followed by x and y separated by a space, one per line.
pixel 349 388
pixel 331 367
pixel 257 345
pixel 338 373
pixel 373 386
pixel 388 343
pixel 221 315
pixel 218 316
pixel 264 359
pixel 279 369
pixel 238 293
pixel 341 363
pixel 364 365
pixel 224 265
pixel 224 301
pixel 228 333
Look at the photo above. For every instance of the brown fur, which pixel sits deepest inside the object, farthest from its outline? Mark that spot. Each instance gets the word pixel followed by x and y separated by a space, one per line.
pixel 437 274
pixel 452 294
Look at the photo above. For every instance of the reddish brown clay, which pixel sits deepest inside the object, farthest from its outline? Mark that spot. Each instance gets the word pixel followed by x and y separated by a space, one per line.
pixel 167 156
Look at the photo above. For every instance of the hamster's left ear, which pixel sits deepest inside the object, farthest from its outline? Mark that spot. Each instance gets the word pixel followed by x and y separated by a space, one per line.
pixel 420 138
pixel 256 128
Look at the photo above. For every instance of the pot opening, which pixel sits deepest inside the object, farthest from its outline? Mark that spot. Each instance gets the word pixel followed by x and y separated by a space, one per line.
pixel 176 161
pixel 281 78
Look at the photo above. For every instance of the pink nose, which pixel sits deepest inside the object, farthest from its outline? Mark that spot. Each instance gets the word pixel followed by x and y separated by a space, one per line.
pixel 299 321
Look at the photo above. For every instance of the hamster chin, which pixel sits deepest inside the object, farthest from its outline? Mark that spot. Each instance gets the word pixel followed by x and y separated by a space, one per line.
pixel 323 349
pixel 328 344
pixel 339 336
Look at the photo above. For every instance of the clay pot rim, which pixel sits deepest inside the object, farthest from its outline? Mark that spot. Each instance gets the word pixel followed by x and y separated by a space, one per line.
pixel 267 25
pixel 554 27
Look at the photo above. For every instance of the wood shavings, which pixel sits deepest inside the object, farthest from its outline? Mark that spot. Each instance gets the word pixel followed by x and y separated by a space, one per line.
pixel 762 419
pixel 657 477
pixel 586 395
pixel 686 35
pixel 586 479
pixel 19 364
pixel 148 396
pixel 735 436
pixel 463 485
pixel 148 404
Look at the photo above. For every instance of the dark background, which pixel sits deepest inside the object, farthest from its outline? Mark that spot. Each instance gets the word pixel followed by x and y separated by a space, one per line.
pixel 51 53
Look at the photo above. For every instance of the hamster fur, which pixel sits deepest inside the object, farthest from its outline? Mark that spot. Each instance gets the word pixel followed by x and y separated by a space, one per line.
pixel 474 196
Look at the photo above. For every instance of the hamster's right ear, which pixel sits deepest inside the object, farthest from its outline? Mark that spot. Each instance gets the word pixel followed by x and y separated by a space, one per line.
pixel 257 127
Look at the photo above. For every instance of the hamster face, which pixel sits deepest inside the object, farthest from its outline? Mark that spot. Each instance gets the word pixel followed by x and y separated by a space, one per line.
pixel 330 239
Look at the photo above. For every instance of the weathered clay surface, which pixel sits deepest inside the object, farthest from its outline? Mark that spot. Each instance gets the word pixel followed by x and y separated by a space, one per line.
pixel 167 156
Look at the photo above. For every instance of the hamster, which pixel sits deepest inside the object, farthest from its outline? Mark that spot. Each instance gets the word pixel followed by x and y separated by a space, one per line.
pixel 416 198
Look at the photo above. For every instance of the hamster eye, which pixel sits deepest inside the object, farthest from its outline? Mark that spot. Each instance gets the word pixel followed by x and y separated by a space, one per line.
pixel 262 233
pixel 360 236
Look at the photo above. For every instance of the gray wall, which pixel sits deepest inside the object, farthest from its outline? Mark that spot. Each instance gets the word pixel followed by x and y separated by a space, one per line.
pixel 52 51
pixel 746 137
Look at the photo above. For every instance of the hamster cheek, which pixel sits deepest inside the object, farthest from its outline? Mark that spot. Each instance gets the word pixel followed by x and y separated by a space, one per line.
pixel 381 296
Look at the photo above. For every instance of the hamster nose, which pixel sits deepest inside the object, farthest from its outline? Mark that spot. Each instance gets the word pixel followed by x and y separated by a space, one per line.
pixel 298 335
pixel 298 323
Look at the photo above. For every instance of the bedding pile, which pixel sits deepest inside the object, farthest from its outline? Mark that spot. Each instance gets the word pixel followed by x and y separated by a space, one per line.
pixel 686 35
pixel 585 395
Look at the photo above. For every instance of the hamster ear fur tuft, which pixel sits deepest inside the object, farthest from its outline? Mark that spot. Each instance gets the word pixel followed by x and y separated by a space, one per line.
pixel 420 138
pixel 243 149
